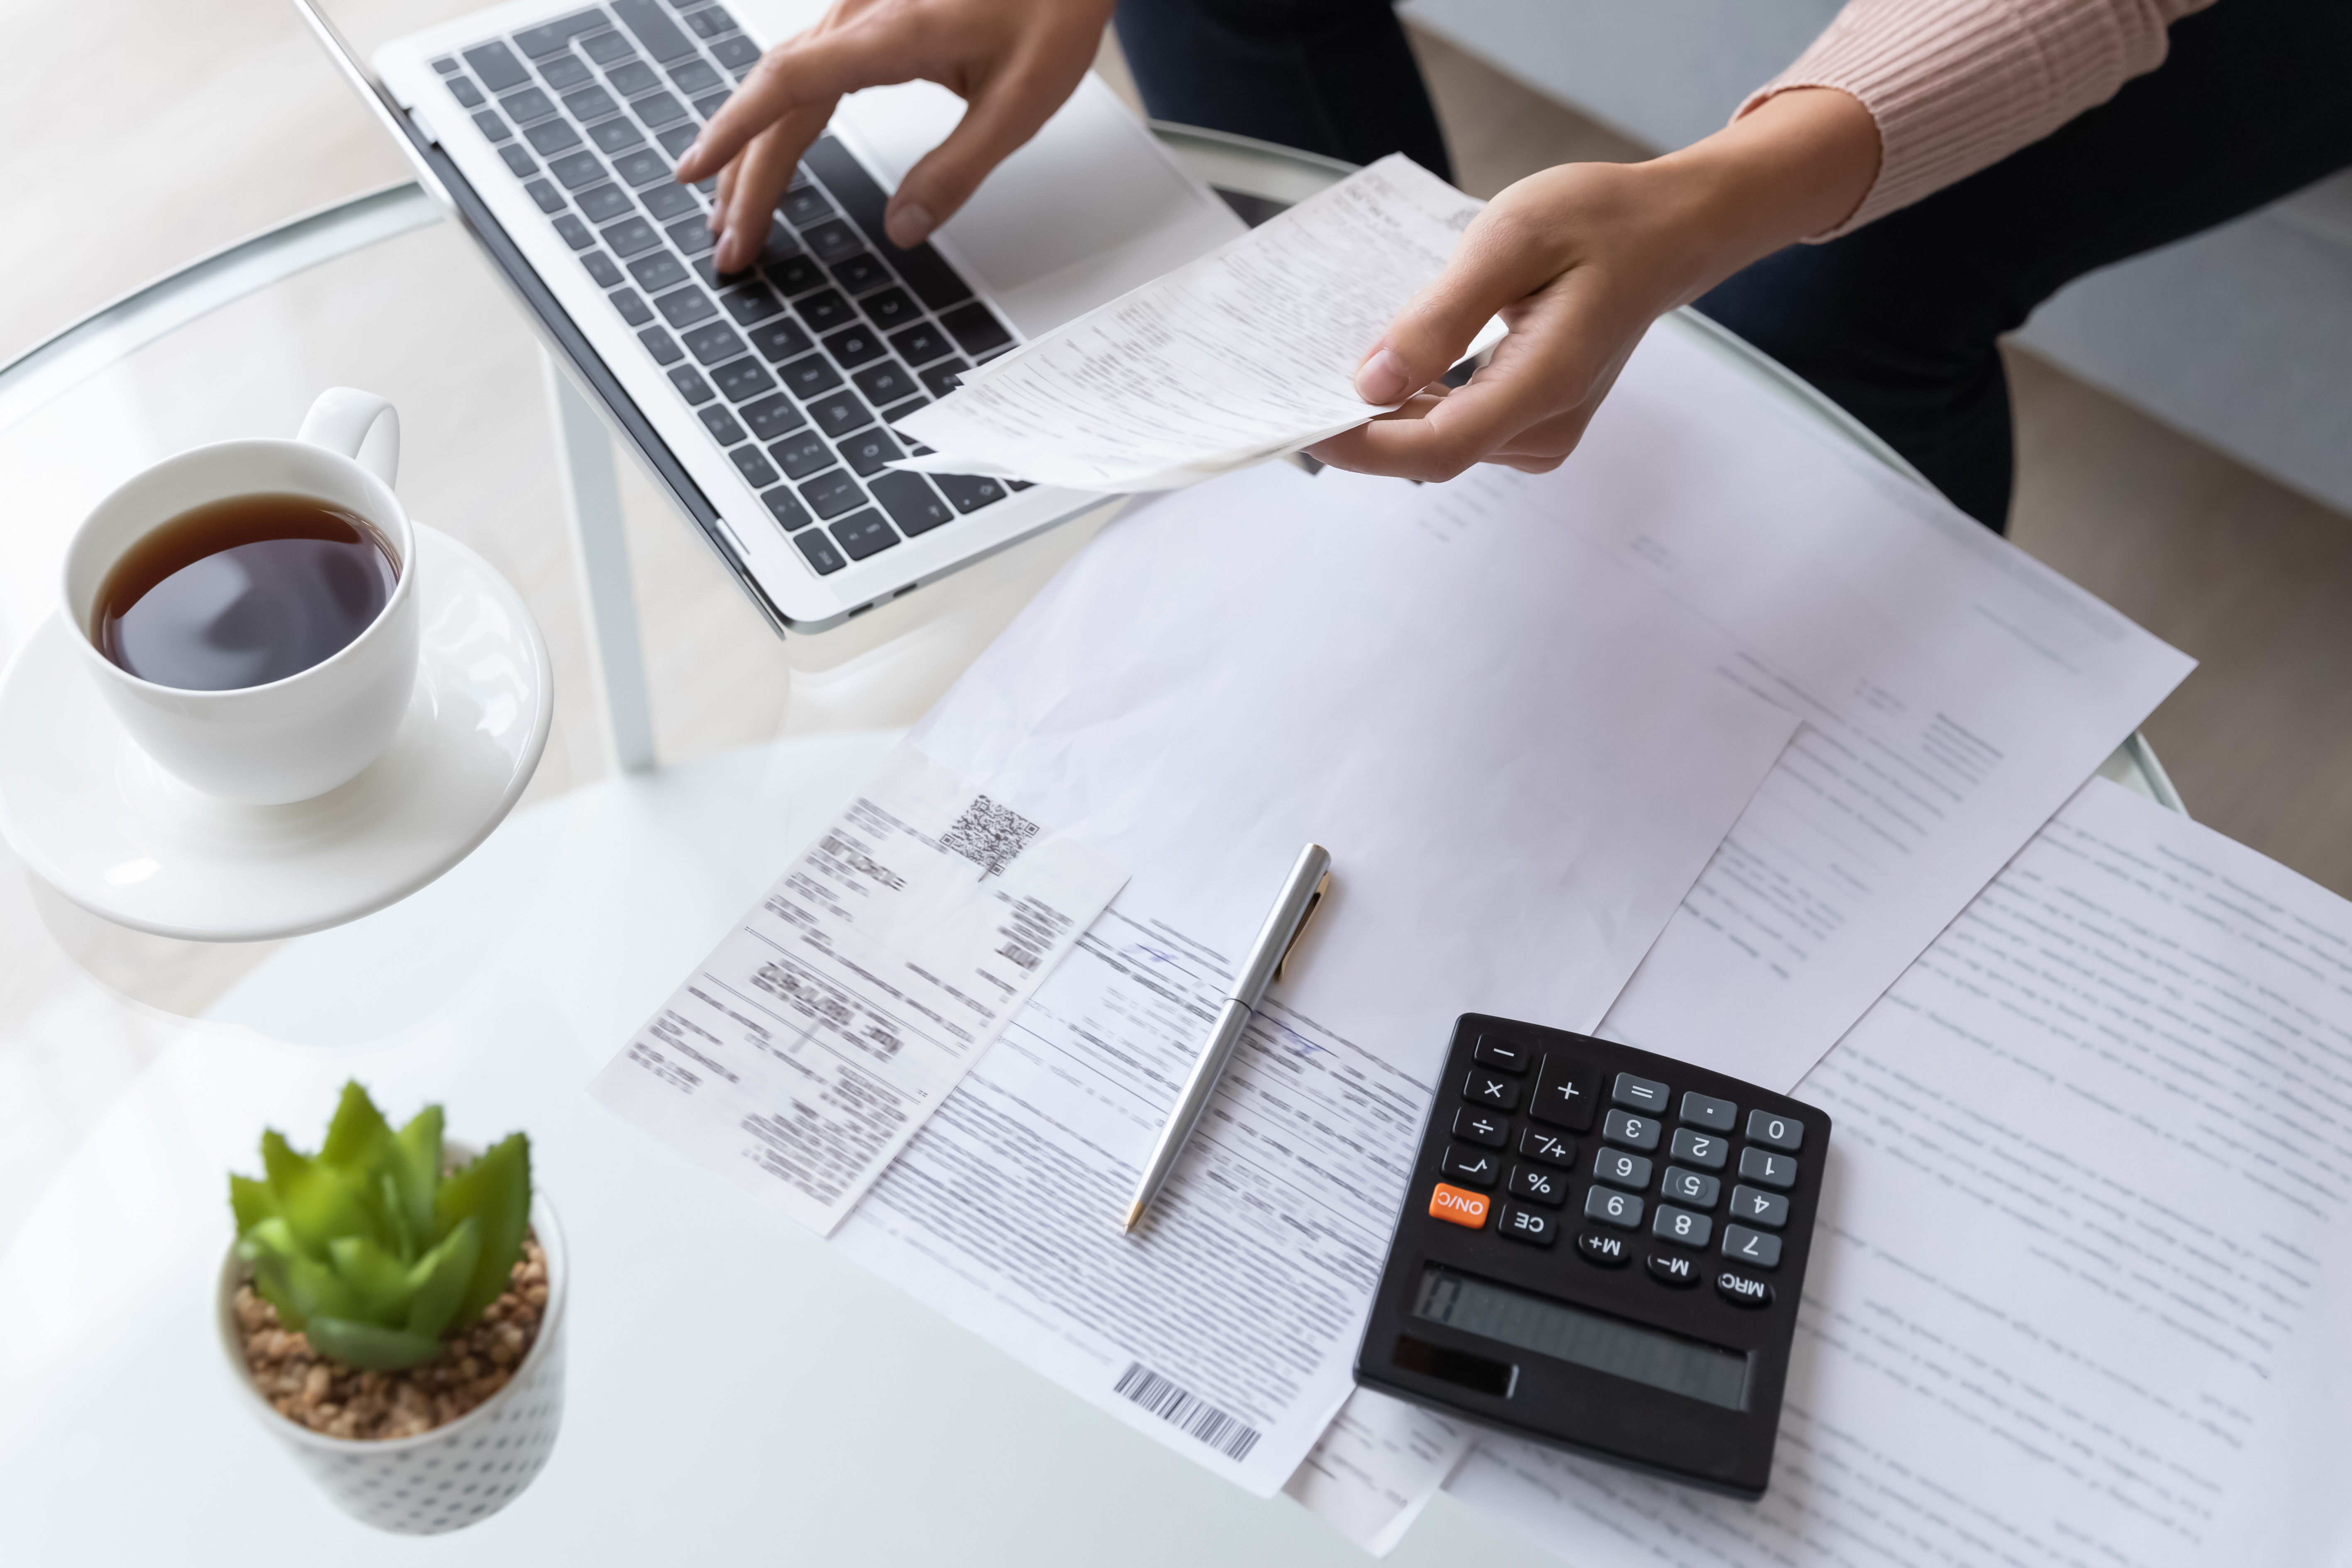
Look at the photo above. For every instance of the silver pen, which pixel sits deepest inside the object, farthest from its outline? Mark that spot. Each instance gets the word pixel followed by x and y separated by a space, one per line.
pixel 1302 894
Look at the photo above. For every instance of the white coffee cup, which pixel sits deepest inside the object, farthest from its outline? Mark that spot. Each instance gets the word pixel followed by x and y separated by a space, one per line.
pixel 291 739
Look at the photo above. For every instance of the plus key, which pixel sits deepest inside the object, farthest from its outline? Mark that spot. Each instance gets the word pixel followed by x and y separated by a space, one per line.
pixel 1565 1090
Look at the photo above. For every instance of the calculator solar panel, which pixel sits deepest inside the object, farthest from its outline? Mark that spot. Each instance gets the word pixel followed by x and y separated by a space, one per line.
pixel 1603 1249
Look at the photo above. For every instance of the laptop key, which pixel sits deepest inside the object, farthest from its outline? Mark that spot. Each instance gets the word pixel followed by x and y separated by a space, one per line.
pixel 770 418
pixel 694 79
pixel 518 161
pixel 468 95
pixel 616 136
pixel 830 495
pixel 822 558
pixel 549 198
pixel 635 79
pixel 970 492
pixel 528 105
pixel 575 233
pixel 838 413
pixel 710 21
pixel 690 385
pixel 854 346
pixel 553 136
pixel 599 267
pixel 576 171
pixel 492 126
pixel 657 110
pixel 704 270
pixel 743 378
pixel 753 466
pixel 825 311
pixel 866 451
pixel 860 274
pixel 913 505
pixel 667 202
pixel 793 274
pixel 802 455
pixel 922 269
pixel 631 237
pixel 804 206
pixel 779 340
pixel 564 71
pixel 605 49
pixel 659 271
pixel 642 167
pixel 715 344
pixel 589 103
pixel 919 344
pixel 738 54
pixel 897 411
pixel 721 424
pixel 789 513
pixel 941 378
pixel 633 307
pixel 978 331
pixel 664 350
pixel 832 241
pixel 497 68
pixel 712 103
pixel 891 309
pixel 677 139
pixel 684 307
pixel 656 31
pixel 549 37
pixel 692 234
pixel 864 534
pixel 603 203
pixel 884 383
pixel 752 303
pixel 809 377
pixel 445 65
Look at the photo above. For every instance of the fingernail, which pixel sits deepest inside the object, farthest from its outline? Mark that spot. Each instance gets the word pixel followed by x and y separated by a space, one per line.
pixel 1382 379
pixel 909 223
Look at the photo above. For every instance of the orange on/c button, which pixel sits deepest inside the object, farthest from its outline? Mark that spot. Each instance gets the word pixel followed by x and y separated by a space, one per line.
pixel 1458 1207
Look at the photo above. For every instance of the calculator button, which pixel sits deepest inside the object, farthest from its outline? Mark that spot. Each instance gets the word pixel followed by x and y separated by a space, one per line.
pixel 1602 1248
pixel 1706 1110
pixel 1533 1226
pixel 1508 1055
pixel 1780 1131
pixel 1759 1208
pixel 1564 1093
pixel 1481 1127
pixel 1679 1269
pixel 1625 1169
pixel 1549 1147
pixel 1624 1126
pixel 1670 1223
pixel 1641 1093
pixel 1540 1183
pixel 1772 1170
pixel 1486 1088
pixel 1474 1167
pixel 1689 1187
pixel 1701 1148
pixel 1457 1205
pixel 1751 1246
pixel 1741 1291
pixel 1615 1208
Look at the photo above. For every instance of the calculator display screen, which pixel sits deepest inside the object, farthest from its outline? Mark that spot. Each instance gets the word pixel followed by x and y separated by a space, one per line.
pixel 1589 1338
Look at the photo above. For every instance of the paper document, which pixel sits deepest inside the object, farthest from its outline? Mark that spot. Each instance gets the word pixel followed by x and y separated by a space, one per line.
pixel 1249 351
pixel 1519 755
pixel 1376 1468
pixel 805 1052
pixel 2077 1293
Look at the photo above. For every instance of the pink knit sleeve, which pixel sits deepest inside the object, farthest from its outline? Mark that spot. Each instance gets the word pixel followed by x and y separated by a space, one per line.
pixel 1958 85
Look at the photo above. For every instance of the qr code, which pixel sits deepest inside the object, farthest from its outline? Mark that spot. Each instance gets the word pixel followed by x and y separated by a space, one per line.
pixel 989 836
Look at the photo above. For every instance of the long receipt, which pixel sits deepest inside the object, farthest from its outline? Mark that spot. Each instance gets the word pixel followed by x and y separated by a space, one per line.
pixel 1249 351
pixel 801 1057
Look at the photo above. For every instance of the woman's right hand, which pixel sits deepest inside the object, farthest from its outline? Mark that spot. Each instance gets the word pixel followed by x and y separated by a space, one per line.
pixel 1012 61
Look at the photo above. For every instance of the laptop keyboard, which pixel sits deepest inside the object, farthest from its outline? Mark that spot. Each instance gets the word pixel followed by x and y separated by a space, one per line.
pixel 795 366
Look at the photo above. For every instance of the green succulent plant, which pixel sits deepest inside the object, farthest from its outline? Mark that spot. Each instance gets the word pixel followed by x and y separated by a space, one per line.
pixel 367 1248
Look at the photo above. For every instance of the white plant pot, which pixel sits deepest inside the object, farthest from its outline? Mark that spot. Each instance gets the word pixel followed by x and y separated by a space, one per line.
pixel 453 1476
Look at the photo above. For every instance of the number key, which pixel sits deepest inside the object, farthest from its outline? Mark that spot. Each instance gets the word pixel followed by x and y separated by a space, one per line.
pixel 1624 1126
pixel 1549 1147
pixel 1541 1183
pixel 1780 1131
pixel 1624 1170
pixel 1772 1170
pixel 1689 1187
pixel 1670 1224
pixel 1760 1208
pixel 1751 1246
pixel 1621 1209
pixel 1486 1088
pixel 1701 1148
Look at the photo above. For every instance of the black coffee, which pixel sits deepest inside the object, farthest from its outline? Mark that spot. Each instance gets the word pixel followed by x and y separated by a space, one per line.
pixel 243 592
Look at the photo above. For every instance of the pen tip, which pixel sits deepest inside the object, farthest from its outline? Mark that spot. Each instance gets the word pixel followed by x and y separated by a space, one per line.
pixel 1134 1212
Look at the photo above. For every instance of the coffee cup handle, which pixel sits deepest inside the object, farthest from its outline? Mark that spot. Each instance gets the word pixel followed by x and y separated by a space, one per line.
pixel 359 424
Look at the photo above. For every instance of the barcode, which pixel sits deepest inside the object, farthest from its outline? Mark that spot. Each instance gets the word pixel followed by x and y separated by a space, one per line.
pixel 1212 1425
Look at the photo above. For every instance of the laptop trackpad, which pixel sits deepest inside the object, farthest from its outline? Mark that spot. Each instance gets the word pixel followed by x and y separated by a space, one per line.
pixel 1088 210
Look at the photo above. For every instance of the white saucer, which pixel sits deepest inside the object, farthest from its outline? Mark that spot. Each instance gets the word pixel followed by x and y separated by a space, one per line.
pixel 106 826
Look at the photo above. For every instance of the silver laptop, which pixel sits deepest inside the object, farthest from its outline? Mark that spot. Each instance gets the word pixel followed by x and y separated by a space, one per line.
pixel 763 401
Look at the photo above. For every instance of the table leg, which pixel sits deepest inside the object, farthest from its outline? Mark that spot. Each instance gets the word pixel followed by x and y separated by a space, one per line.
pixel 592 492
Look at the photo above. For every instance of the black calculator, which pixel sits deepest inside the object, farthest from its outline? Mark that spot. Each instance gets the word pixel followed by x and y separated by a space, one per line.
pixel 1603 1249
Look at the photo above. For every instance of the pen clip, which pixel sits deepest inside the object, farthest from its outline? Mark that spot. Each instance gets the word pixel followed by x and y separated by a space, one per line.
pixel 1314 902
